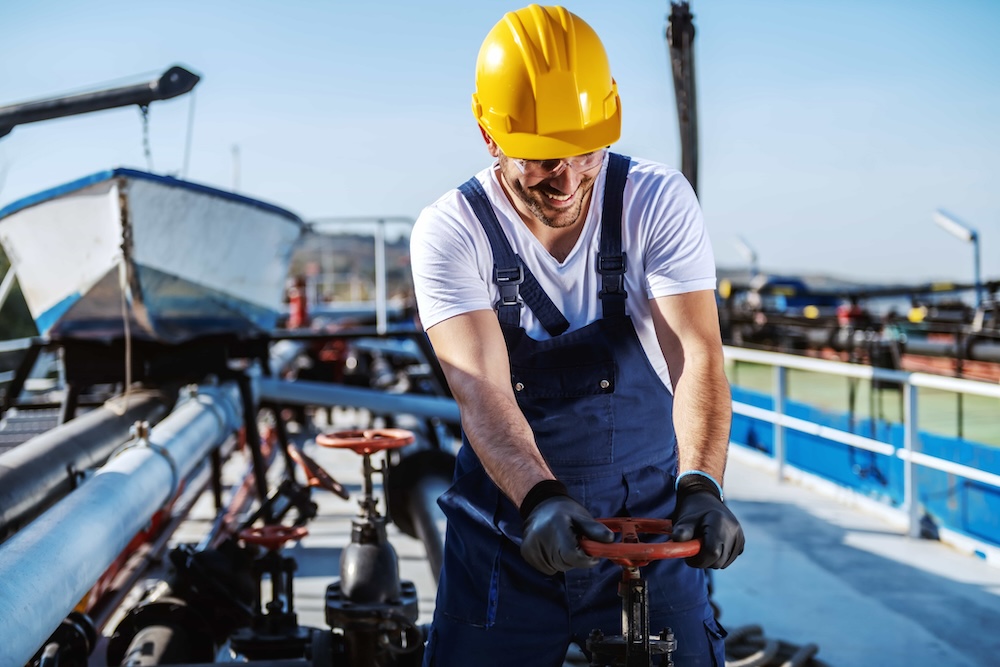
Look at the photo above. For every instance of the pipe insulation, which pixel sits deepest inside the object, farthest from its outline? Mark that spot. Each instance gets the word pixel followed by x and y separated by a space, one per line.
pixel 303 392
pixel 34 475
pixel 51 564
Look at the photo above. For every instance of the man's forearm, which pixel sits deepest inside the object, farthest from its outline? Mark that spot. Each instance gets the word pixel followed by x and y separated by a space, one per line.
pixel 473 357
pixel 702 418
pixel 502 440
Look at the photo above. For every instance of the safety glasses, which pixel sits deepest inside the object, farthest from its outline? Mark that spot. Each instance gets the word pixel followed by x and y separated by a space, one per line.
pixel 548 168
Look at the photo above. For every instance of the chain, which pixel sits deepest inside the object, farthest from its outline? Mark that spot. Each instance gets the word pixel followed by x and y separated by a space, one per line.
pixel 144 109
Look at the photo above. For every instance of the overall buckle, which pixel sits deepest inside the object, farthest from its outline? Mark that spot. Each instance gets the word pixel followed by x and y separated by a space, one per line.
pixel 509 280
pixel 612 270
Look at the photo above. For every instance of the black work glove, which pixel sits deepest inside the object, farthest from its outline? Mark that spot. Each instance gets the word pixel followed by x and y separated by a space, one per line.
pixel 701 513
pixel 553 526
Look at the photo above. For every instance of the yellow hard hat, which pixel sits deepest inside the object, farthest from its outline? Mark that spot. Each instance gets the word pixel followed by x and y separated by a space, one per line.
pixel 543 86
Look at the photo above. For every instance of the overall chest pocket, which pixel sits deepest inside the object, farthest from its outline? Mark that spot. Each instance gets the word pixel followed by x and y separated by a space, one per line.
pixel 570 410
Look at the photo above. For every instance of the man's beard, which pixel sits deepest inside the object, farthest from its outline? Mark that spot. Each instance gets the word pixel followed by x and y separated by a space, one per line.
pixel 535 199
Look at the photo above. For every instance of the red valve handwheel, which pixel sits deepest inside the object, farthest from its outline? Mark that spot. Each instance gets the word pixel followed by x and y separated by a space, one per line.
pixel 367 441
pixel 630 552
pixel 273 538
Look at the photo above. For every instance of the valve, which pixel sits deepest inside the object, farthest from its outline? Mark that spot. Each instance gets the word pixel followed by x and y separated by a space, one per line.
pixel 367 441
pixel 630 552
pixel 274 537
pixel 275 631
pixel 635 646
pixel 375 610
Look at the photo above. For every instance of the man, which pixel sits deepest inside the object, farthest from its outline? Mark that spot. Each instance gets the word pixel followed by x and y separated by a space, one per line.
pixel 569 296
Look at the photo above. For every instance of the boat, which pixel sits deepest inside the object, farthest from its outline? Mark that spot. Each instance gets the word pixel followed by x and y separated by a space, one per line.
pixel 129 253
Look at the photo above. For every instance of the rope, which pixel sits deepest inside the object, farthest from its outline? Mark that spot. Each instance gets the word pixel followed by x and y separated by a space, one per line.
pixel 147 150
pixel 190 133
pixel 122 286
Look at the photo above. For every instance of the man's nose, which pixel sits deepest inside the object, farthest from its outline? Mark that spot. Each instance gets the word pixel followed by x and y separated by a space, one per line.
pixel 567 180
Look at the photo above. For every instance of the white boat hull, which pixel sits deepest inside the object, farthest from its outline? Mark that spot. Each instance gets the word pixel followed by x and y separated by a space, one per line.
pixel 129 253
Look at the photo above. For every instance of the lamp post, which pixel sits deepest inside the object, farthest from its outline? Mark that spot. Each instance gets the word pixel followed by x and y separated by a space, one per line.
pixel 749 254
pixel 960 230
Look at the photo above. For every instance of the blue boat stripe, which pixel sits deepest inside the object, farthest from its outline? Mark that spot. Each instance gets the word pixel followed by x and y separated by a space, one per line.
pixel 46 320
pixel 108 175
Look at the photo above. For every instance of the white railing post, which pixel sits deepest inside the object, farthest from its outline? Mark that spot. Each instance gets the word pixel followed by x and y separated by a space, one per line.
pixel 780 390
pixel 381 310
pixel 911 499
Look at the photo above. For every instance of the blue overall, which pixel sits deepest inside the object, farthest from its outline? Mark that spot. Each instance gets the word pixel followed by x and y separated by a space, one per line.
pixel 602 419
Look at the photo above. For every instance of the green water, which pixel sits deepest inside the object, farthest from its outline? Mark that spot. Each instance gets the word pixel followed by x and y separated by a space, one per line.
pixel 975 418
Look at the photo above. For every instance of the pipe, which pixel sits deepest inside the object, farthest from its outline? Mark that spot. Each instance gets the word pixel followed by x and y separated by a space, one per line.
pixel 426 517
pixel 980 348
pixel 52 563
pixel 302 392
pixel 413 487
pixel 163 629
pixel 37 473
pixel 157 645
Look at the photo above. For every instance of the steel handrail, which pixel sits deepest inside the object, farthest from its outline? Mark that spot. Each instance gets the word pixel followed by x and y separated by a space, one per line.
pixel 923 380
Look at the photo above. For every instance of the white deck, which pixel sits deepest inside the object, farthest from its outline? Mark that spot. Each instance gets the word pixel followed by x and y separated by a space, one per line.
pixel 817 570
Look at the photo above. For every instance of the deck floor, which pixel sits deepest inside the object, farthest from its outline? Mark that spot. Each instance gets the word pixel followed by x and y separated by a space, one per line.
pixel 820 570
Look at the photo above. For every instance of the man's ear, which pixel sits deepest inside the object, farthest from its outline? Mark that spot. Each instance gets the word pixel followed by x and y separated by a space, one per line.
pixel 491 145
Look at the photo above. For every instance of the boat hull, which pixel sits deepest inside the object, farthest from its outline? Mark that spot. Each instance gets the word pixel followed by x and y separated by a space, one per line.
pixel 126 253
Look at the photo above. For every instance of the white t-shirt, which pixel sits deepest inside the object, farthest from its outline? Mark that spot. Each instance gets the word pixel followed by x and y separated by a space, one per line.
pixel 663 236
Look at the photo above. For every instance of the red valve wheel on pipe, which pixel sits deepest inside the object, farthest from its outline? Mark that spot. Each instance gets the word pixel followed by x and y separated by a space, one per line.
pixel 630 552
pixel 367 441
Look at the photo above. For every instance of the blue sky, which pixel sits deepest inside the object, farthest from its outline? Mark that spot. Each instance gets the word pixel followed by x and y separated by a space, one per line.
pixel 830 130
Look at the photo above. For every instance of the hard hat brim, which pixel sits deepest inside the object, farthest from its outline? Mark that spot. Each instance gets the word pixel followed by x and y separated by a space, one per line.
pixel 552 147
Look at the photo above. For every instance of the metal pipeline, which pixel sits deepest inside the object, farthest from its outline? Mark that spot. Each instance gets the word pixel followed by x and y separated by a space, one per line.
pixel 51 564
pixel 158 645
pixel 37 473
pixel 303 392
pixel 414 485
pixel 977 348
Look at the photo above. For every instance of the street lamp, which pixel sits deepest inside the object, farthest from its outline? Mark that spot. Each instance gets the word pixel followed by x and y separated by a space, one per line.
pixel 749 254
pixel 959 230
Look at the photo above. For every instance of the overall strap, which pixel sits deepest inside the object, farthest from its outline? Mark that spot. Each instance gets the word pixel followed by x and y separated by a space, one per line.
pixel 611 261
pixel 514 279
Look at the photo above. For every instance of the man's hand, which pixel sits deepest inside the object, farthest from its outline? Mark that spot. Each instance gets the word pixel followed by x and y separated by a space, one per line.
pixel 701 513
pixel 552 532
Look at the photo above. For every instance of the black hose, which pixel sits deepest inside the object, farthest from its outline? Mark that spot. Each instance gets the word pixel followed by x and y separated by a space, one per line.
pixel 747 646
